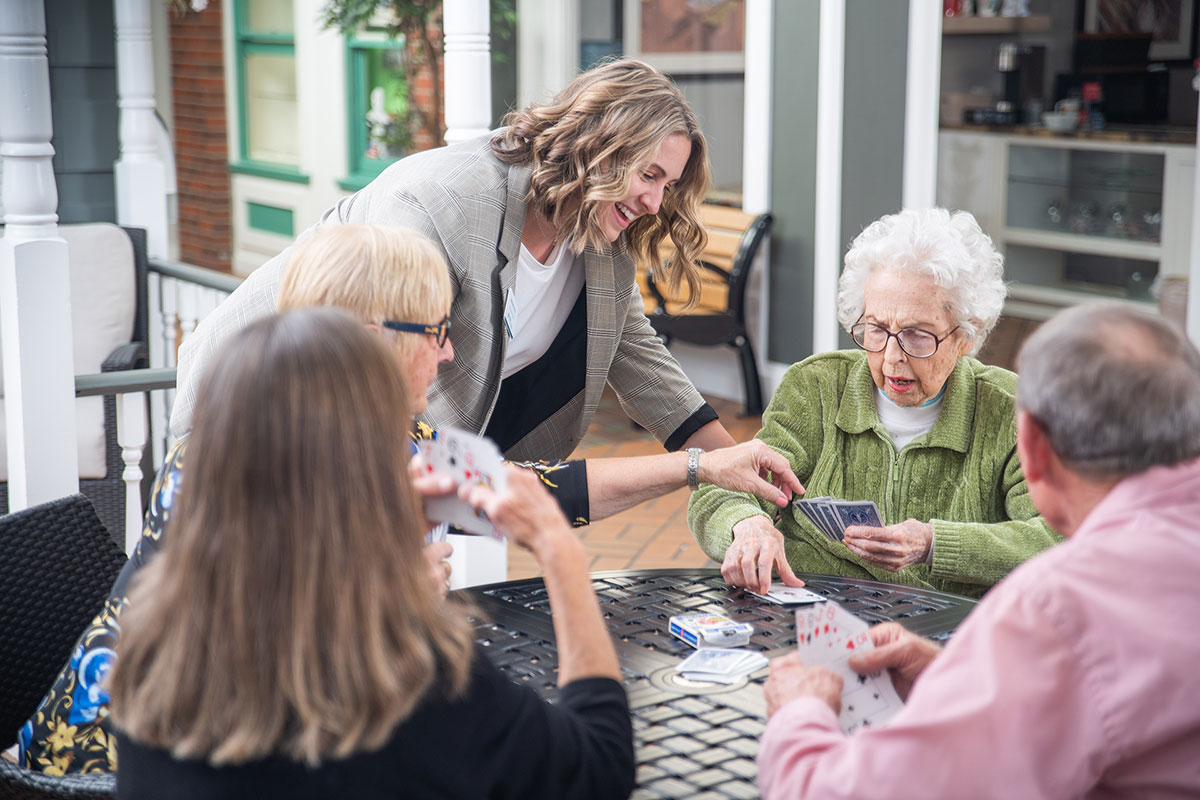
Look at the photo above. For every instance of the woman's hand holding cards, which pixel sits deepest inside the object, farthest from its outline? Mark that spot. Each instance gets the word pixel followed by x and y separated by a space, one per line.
pixel 523 511
pixel 790 679
pixel 892 548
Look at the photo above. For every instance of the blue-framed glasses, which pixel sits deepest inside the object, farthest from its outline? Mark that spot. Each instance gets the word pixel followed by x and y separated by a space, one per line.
pixel 440 331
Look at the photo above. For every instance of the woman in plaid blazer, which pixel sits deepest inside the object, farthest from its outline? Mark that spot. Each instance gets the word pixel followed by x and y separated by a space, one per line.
pixel 605 171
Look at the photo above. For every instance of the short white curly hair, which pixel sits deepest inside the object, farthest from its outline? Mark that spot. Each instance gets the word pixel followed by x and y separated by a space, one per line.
pixel 947 246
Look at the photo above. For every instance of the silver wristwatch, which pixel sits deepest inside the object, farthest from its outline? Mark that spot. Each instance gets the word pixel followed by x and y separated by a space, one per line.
pixel 693 476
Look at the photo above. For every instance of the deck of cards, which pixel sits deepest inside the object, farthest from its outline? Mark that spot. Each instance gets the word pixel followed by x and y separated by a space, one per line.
pixel 832 517
pixel 721 666
pixel 710 630
pixel 827 635
pixel 468 459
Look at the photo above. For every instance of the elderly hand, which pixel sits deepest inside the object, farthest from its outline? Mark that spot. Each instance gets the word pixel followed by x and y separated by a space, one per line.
pixel 745 468
pixel 790 680
pixel 757 548
pixel 903 654
pixel 894 547
pixel 525 512
pixel 436 554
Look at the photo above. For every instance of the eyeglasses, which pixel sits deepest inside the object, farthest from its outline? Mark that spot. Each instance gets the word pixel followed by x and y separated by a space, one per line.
pixel 440 331
pixel 913 341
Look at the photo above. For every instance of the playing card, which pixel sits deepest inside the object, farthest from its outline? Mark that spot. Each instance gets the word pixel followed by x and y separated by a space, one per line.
pixel 856 512
pixel 786 595
pixel 832 525
pixel 468 459
pixel 805 507
pixel 827 635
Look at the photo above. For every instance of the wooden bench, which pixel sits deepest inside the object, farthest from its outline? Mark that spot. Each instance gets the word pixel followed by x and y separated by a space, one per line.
pixel 719 317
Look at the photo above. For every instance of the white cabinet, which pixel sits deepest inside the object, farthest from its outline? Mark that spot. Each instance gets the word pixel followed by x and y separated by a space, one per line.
pixel 1076 219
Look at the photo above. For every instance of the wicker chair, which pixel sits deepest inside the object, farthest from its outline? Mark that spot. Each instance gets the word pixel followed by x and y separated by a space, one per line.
pixel 107 492
pixel 59 563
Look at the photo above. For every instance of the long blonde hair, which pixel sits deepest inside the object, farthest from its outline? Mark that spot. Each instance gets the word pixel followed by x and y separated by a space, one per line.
pixel 587 143
pixel 375 272
pixel 290 611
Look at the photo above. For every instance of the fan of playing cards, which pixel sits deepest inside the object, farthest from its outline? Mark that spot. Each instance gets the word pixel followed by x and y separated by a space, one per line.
pixel 832 517
pixel 469 459
pixel 826 636
pixel 721 665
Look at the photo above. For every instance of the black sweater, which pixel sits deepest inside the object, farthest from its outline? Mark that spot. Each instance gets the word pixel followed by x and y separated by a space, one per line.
pixel 499 741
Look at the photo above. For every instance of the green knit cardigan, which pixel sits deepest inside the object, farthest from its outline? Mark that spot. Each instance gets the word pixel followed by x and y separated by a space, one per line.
pixel 963 476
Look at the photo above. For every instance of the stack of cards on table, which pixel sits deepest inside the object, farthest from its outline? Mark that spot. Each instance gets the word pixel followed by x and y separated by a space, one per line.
pixel 826 636
pixel 720 665
pixel 467 458
pixel 786 595
pixel 832 517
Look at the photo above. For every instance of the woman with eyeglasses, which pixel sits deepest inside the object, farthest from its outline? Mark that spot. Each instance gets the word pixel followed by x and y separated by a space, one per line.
pixel 285 643
pixel 395 283
pixel 910 421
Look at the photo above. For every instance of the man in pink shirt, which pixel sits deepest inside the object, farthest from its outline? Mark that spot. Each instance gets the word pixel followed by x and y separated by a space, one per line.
pixel 1079 674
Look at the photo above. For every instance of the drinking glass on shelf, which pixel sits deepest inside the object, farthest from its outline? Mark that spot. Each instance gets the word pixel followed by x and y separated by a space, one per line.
pixel 1054 212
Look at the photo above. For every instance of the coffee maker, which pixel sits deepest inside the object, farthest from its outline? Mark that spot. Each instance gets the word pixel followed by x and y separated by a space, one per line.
pixel 1024 70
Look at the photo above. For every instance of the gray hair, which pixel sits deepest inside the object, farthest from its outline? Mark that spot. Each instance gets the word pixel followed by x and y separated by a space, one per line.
pixel 948 247
pixel 1116 389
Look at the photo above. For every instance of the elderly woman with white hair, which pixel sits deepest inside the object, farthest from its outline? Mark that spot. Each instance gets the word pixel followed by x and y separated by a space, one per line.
pixel 911 421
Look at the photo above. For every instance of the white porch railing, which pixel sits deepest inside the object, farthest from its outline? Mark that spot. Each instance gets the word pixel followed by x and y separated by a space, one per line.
pixel 178 296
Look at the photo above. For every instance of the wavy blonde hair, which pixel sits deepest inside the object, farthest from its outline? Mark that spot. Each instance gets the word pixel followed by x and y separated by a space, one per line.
pixel 586 145
pixel 375 272
pixel 290 612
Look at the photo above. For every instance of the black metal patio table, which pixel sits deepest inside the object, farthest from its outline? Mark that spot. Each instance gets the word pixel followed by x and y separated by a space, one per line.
pixel 693 740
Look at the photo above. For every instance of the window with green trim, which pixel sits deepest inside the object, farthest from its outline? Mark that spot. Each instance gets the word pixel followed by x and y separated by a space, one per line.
pixel 377 105
pixel 269 135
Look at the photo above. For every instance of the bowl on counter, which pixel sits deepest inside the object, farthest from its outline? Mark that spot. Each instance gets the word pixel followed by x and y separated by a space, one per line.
pixel 1060 121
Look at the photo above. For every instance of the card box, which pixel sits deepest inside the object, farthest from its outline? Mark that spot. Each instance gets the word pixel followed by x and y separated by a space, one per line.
pixel 710 630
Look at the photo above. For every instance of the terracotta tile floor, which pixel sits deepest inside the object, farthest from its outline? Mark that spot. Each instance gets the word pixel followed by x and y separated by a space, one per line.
pixel 653 535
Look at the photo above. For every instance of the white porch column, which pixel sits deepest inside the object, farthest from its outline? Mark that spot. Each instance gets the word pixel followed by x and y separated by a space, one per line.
pixel 141 178
pixel 468 66
pixel 547 48
pixel 827 246
pixel 35 300
pixel 921 103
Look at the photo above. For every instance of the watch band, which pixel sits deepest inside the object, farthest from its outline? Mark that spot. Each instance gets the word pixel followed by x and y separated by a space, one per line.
pixel 693 472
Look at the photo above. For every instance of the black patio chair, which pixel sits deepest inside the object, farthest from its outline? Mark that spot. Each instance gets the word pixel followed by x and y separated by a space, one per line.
pixel 59 564
pixel 734 238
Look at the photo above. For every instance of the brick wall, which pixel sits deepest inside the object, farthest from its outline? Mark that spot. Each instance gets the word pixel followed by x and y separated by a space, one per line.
pixel 201 151
pixel 424 133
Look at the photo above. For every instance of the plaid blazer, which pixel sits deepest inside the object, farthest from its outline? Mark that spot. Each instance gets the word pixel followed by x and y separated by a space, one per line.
pixel 472 205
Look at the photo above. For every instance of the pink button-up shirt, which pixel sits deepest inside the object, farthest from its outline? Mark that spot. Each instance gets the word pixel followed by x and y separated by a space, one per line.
pixel 1077 676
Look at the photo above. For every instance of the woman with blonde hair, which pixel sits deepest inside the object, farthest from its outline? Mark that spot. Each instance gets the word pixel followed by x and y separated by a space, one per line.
pixel 287 643
pixel 394 281
pixel 540 223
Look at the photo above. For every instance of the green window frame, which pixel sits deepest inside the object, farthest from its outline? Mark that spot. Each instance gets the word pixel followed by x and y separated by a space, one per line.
pixel 251 42
pixel 362 54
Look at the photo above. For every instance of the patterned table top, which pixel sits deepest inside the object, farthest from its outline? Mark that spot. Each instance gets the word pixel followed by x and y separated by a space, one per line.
pixel 693 740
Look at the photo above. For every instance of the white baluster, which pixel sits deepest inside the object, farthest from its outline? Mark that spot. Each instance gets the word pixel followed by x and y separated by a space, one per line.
pixel 168 301
pixel 468 69
pixel 131 436
pixel 35 310
pixel 189 296
pixel 159 415
pixel 141 178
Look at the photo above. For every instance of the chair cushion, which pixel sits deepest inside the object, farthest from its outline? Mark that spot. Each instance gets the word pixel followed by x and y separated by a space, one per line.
pixel 103 304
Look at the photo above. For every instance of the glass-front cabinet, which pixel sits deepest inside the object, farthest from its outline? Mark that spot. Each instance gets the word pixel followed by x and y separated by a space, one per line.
pixel 1076 219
